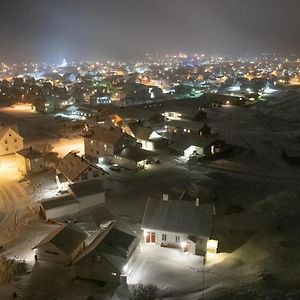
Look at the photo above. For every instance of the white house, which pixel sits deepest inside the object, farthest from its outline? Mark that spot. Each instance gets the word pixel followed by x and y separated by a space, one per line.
pixel 147 136
pixel 186 225
pixel 82 195
pixel 62 245
pixel 187 145
pixel 73 168
pixel 10 139
pixel 109 257
pixel 30 161
pixel 132 158
pixel 102 143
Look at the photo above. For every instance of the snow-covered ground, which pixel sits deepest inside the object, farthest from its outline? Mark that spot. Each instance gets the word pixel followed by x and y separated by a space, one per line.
pixel 259 245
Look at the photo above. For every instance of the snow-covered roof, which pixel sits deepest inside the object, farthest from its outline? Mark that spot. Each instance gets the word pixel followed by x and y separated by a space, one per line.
pixel 135 154
pixel 30 153
pixel 184 141
pixel 186 124
pixel 107 135
pixel 114 244
pixel 86 188
pixel 139 131
pixel 67 238
pixel 5 128
pixel 72 166
pixel 58 202
pixel 178 216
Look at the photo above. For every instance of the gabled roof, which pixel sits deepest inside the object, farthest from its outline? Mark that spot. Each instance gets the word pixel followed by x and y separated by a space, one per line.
pixel 30 153
pixel 177 216
pixel 139 131
pixel 135 154
pixel 66 238
pixel 5 128
pixel 107 135
pixel 72 166
pixel 58 202
pixel 113 244
pixel 184 141
pixel 86 188
pixel 186 124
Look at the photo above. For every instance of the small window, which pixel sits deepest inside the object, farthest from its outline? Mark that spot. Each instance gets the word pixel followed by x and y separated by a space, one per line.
pixel 97 151
pixel 9 134
pixel 84 176
pixel 15 140
pixel 6 149
pixel 163 237
pixel 5 141
pixel 95 174
pixel 177 239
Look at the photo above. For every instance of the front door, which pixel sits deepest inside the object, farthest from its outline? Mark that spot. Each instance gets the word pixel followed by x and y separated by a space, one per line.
pixel 153 237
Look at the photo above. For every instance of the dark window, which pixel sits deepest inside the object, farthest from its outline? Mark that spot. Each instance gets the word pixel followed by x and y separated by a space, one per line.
pixel 51 252
pixel 163 237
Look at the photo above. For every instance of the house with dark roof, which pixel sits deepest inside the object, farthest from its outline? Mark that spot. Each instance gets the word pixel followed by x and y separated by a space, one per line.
pixel 30 161
pixel 82 195
pixel 185 225
pixel 133 158
pixel 146 136
pixel 189 145
pixel 102 143
pixel 63 245
pixel 73 168
pixel 109 257
pixel 10 139
pixel 188 127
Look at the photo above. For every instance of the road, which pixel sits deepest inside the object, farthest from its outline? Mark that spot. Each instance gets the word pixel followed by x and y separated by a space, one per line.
pixel 15 205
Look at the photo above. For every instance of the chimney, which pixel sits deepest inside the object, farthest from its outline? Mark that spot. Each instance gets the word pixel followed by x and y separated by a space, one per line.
pixel 197 202
pixel 165 197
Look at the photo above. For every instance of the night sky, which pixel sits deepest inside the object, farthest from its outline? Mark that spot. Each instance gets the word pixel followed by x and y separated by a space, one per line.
pixel 49 30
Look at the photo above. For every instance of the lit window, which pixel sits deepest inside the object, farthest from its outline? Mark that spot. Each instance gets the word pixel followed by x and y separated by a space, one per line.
pixel 114 274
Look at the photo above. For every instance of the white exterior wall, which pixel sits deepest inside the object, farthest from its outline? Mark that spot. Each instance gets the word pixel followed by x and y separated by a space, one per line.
pixel 189 151
pixel 10 143
pixel 91 200
pixel 50 252
pixel 194 248
pixel 62 211
pixel 97 149
pixel 89 175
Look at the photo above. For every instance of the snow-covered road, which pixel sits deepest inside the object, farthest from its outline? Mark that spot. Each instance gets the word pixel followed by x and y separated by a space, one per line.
pixel 15 204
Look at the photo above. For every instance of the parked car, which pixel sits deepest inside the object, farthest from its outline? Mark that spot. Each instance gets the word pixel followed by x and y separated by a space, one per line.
pixel 115 168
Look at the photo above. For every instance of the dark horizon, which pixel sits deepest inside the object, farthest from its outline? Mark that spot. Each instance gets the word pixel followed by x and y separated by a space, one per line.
pixel 40 31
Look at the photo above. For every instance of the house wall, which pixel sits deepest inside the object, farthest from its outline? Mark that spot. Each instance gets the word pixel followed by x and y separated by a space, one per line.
pixel 95 267
pixel 22 163
pixel 61 211
pixel 50 252
pixel 91 200
pixel 10 143
pixel 90 174
pixel 36 165
pixel 97 149
pixel 124 162
pixel 199 248
pixel 189 151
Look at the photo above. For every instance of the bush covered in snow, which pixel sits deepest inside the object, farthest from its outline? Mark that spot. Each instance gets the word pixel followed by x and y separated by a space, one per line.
pixel 10 269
